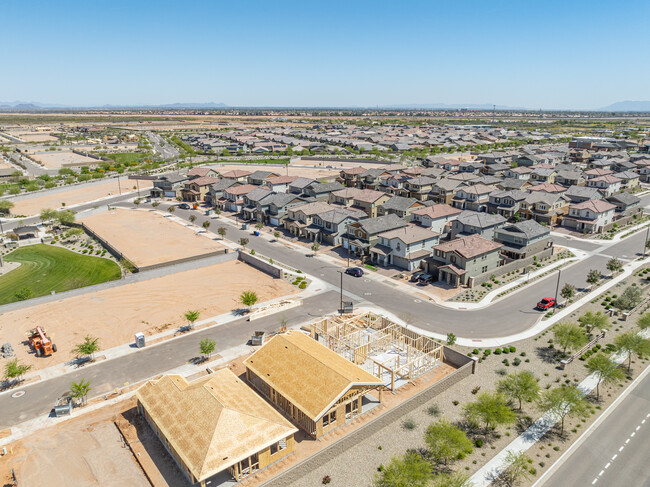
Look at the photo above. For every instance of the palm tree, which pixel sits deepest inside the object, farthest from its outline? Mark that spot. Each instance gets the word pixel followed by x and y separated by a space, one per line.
pixel 87 348
pixel 80 389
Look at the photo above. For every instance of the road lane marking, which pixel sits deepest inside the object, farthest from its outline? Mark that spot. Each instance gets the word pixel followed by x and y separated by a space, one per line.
pixel 614 457
pixel 638 428
pixel 632 435
pixel 643 421
pixel 621 449
pixel 595 480
pixel 627 441
pixel 601 472
pixel 607 466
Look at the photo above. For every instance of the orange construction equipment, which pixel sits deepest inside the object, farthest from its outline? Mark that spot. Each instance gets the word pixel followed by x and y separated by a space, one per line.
pixel 40 342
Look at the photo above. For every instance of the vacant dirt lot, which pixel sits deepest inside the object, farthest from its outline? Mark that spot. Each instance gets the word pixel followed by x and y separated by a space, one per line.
pixel 76 195
pixel 314 173
pixel 147 237
pixel 57 160
pixel 74 453
pixel 115 314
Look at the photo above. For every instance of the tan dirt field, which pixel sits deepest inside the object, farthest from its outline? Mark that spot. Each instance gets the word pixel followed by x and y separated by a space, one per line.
pixel 74 453
pixel 315 173
pixel 4 165
pixel 38 137
pixel 148 238
pixel 57 160
pixel 75 196
pixel 152 306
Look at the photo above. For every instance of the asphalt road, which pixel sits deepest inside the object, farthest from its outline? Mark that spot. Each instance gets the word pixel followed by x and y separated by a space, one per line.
pixel 162 148
pixel 105 376
pixel 617 452
pixel 511 315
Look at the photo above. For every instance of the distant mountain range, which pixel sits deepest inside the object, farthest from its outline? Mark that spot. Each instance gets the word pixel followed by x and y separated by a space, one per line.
pixel 627 106
pixel 443 106
pixel 23 105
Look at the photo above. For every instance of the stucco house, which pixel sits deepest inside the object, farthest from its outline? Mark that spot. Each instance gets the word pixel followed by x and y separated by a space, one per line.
pixel 404 247
pixel 591 216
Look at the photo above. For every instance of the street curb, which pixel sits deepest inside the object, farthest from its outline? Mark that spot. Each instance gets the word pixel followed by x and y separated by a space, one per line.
pixel 576 444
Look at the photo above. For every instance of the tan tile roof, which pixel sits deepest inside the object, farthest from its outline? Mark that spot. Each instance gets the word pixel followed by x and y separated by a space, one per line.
pixel 203 181
pixel 237 173
pixel 597 206
pixel 239 190
pixel 409 234
pixel 469 246
pixel 437 211
pixel 308 374
pixel 213 422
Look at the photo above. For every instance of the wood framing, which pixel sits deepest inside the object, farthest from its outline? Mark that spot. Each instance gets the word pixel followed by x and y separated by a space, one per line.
pixel 383 348
pixel 314 386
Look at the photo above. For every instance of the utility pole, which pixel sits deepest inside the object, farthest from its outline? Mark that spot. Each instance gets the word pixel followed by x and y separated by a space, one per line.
pixel 341 272
pixel 347 226
pixel 137 183
pixel 557 287
pixel 119 186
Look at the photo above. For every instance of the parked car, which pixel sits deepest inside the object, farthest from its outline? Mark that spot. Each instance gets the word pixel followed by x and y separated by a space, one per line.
pixel 425 279
pixel 416 275
pixel 184 206
pixel 354 271
pixel 546 303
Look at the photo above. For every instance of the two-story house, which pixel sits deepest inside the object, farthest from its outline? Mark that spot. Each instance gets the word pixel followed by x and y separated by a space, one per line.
pixel 591 216
pixel 436 218
pixel 473 222
pixel 321 191
pixel 400 206
pixel 259 177
pixel 518 173
pixel 542 175
pixel 195 190
pixel 233 197
pixel 459 261
pixel 364 234
pixel 523 239
pixel 578 194
pixel 168 186
pixel 239 175
pixel 626 203
pixel 505 203
pixel 570 177
pixel 404 247
pixel 367 200
pixel 419 187
pixel 444 190
pixel 215 192
pixel 607 185
pixel 473 197
pixel 545 208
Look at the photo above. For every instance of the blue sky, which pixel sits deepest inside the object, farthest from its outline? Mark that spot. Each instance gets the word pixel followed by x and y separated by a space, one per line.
pixel 538 54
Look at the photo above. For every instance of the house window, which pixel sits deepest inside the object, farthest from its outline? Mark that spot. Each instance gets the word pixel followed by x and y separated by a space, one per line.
pixel 453 258
pixel 399 247
pixel 274 448
pixel 484 268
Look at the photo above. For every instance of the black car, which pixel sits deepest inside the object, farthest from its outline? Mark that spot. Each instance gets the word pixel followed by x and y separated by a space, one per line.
pixel 425 279
pixel 354 271
pixel 416 275
pixel 184 206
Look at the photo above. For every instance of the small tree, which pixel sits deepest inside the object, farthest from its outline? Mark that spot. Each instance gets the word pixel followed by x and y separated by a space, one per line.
pixel 446 442
pixel 206 224
pixel 614 265
pixel 222 232
pixel 591 320
pixel 455 479
pixel 87 348
pixel 629 298
pixel 248 298
pixel 65 217
pixel 605 371
pixel 315 246
pixel 191 316
pixel 644 321
pixel 276 235
pixel 410 470
pixel 259 225
pixel 568 291
pixel 47 215
pixel 171 209
pixel 562 402
pixel 522 386
pixel 6 206
pixel 569 336
pixel 451 339
pixel 155 204
pixel 491 409
pixel 517 470
pixel 192 218
pixel 631 344
pixel 15 370
pixel 206 347
pixel 593 276
pixel 243 242
pixel 80 390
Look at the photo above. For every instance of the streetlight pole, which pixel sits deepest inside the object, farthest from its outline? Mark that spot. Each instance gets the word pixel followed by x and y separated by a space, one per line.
pixel 119 186
pixel 347 226
pixel 645 242
pixel 557 287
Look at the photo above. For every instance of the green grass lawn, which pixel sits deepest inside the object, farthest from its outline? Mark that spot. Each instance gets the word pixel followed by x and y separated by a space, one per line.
pixel 126 157
pixel 45 268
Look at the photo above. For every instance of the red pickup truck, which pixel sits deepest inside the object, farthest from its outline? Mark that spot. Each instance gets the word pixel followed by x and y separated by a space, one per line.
pixel 546 303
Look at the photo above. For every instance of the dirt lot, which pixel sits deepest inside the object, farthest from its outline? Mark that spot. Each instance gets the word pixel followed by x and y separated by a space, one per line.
pixel 115 314
pixel 75 195
pixel 315 173
pixel 87 451
pixel 57 160
pixel 133 233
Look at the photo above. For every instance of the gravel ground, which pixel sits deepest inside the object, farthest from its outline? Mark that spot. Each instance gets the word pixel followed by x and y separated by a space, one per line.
pixel 358 466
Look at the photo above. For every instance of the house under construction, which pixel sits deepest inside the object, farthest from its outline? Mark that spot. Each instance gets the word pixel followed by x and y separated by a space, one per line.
pixel 379 346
